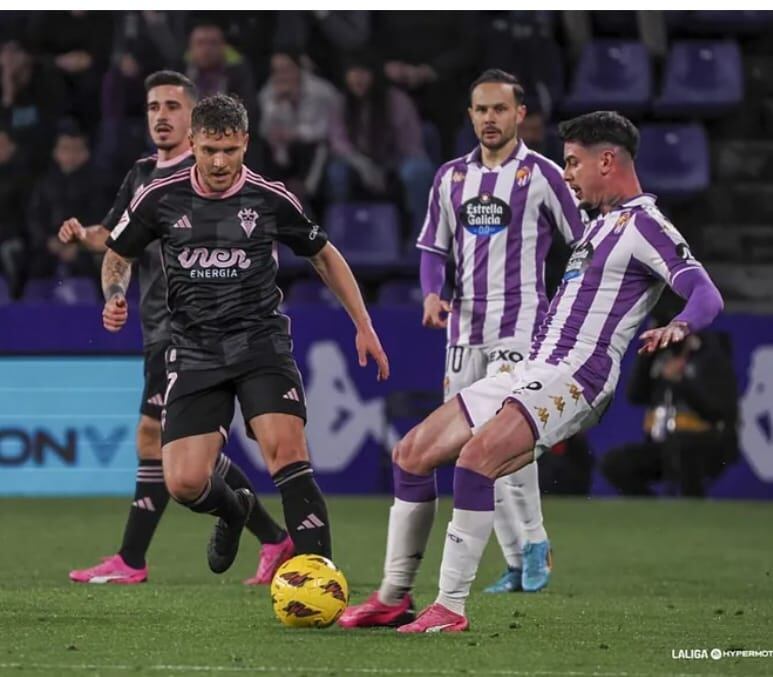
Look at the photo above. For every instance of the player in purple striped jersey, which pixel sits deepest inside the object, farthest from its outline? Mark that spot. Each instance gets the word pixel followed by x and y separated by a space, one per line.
pixel 613 279
pixel 494 212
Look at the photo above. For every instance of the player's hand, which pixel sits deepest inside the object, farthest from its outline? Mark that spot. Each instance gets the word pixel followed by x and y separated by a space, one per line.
pixel 662 337
pixel 115 313
pixel 367 343
pixel 71 230
pixel 435 312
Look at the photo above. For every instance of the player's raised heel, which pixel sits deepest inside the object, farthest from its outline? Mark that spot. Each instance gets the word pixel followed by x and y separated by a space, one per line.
pixel 224 542
pixel 111 570
pixel 510 581
pixel 436 618
pixel 374 613
pixel 537 565
pixel 272 556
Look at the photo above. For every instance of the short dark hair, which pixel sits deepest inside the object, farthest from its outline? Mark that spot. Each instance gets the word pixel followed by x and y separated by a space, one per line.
pixel 602 126
pixel 219 114
pixel 498 75
pixel 174 79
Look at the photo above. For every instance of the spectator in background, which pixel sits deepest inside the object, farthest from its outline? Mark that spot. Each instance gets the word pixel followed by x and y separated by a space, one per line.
pixel 325 38
pixel 536 135
pixel 78 44
pixel 217 68
pixel 691 395
pixel 143 42
pixel 14 181
pixel 428 54
pixel 296 112
pixel 376 141
pixel 31 99
pixel 71 186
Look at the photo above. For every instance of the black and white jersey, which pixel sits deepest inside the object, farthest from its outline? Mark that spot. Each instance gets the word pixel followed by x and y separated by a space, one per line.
pixel 154 313
pixel 219 255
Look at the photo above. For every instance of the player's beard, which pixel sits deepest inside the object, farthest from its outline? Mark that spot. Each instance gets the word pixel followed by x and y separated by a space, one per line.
pixel 502 141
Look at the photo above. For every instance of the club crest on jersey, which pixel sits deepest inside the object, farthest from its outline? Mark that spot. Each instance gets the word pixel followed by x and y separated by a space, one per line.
pixel 621 222
pixel 458 177
pixel 247 219
pixel 485 215
pixel 523 176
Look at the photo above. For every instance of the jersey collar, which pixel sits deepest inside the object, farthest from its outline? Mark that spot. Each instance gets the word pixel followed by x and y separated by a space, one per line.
pixel 519 153
pixel 176 160
pixel 203 191
pixel 642 200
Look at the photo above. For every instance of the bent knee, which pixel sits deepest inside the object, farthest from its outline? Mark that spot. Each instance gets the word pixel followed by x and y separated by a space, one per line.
pixel 409 455
pixel 185 485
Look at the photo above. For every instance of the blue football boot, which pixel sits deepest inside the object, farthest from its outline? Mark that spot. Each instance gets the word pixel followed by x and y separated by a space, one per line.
pixel 537 564
pixel 510 581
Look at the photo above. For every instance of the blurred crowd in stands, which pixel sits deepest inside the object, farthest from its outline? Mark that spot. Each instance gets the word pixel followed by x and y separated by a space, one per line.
pixel 355 110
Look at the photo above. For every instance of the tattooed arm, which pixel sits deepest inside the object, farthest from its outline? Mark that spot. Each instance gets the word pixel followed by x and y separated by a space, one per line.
pixel 116 274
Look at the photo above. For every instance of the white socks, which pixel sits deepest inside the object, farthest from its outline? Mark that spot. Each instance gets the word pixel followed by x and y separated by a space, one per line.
pixel 409 527
pixel 519 516
pixel 466 538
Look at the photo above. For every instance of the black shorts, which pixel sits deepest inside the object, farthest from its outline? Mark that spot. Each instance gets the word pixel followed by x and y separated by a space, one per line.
pixel 202 401
pixel 155 381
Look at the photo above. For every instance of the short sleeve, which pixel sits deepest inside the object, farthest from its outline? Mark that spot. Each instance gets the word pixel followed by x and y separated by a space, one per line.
pixel 436 232
pixel 659 246
pixel 297 230
pixel 133 232
pixel 121 202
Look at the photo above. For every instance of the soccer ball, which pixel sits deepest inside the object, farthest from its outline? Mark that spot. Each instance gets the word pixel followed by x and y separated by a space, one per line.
pixel 309 591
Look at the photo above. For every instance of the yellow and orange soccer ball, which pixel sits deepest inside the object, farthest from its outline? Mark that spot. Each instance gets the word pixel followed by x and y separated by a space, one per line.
pixel 309 591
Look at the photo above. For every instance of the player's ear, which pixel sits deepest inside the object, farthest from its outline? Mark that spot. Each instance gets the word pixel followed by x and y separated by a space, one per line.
pixel 246 141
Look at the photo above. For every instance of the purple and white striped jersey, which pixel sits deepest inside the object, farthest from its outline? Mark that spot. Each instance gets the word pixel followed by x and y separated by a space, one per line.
pixel 498 225
pixel 614 277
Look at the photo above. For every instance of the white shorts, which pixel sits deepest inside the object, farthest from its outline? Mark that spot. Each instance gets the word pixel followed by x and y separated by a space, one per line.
pixel 467 364
pixel 547 395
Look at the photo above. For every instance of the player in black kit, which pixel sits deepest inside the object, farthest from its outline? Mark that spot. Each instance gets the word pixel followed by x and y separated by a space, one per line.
pixel 170 99
pixel 218 223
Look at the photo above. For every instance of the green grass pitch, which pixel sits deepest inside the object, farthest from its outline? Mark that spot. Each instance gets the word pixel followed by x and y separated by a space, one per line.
pixel 633 581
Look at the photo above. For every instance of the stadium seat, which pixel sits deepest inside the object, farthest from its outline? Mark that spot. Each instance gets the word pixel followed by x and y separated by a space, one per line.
pixel 400 293
pixel 465 139
pixel 368 234
pixel 433 145
pixel 5 295
pixel 74 291
pixel 311 292
pixel 701 78
pixel 729 22
pixel 612 74
pixel 673 160
pixel 38 290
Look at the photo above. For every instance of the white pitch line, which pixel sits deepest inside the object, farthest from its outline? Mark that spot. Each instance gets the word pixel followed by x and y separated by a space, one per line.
pixel 337 669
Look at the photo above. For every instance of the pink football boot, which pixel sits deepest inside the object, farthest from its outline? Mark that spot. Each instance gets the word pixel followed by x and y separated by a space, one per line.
pixel 436 618
pixel 272 556
pixel 112 570
pixel 374 613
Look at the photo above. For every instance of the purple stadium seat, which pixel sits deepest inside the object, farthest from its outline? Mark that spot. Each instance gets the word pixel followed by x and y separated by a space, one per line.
pixel 726 22
pixel 401 293
pixel 673 160
pixel 465 139
pixel 5 296
pixel 701 78
pixel 312 292
pixel 612 74
pixel 368 234
pixel 433 144
pixel 74 291
pixel 38 290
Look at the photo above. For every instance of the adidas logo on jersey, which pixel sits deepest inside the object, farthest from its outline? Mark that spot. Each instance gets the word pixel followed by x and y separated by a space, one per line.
pixel 157 399
pixel 182 222
pixel 291 394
